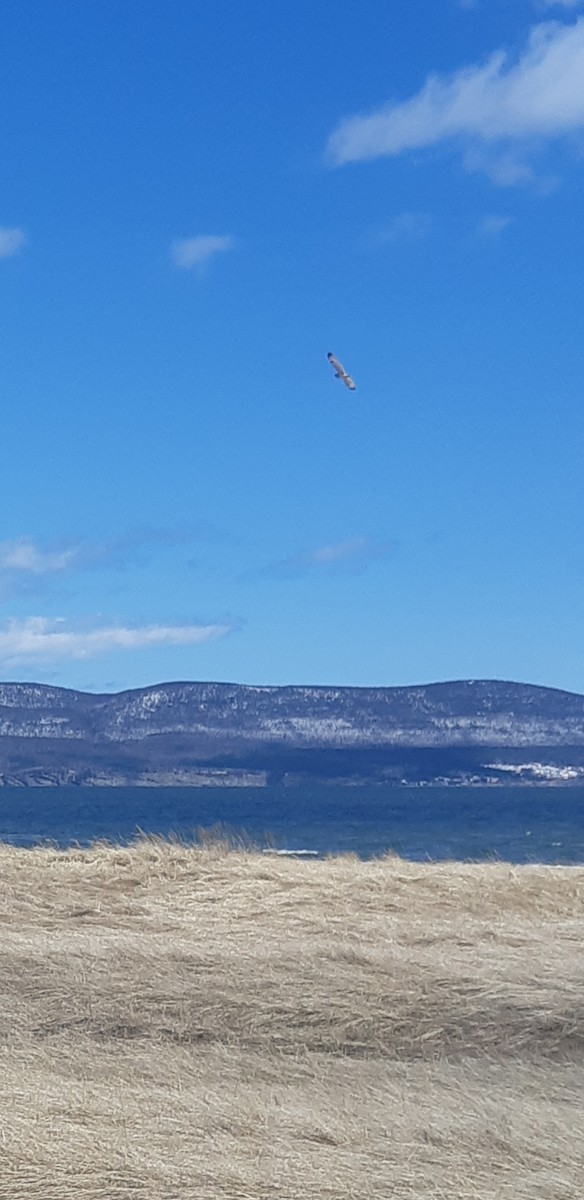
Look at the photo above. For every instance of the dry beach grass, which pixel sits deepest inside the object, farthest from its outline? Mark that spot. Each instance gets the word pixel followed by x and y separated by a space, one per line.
pixel 180 1022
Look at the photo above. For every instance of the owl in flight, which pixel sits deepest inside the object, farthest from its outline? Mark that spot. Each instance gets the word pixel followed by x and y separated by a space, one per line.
pixel 340 372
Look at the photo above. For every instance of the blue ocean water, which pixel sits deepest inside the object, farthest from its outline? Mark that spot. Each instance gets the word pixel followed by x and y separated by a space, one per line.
pixel 517 825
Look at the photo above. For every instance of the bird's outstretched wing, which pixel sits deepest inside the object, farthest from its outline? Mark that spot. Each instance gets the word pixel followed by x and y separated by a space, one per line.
pixel 340 372
pixel 336 364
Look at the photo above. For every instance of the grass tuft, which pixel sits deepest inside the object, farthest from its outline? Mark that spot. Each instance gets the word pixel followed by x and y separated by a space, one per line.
pixel 215 1023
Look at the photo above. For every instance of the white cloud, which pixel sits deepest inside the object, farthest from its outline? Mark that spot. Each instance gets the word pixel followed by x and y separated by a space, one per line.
pixel 537 98
pixel 492 225
pixel 11 241
pixel 39 639
pixel 197 251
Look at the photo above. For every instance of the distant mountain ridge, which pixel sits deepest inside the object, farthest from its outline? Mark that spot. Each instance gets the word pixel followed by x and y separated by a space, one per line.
pixel 188 732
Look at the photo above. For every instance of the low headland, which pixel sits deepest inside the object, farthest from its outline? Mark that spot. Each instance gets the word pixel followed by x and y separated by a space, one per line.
pixel 215 1023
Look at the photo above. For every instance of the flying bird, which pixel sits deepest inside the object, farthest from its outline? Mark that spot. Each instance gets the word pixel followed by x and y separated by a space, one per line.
pixel 340 372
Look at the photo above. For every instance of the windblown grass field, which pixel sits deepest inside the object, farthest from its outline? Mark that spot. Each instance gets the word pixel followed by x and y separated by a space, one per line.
pixel 219 1024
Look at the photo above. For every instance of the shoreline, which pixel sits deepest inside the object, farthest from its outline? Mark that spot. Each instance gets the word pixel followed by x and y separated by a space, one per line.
pixel 225 780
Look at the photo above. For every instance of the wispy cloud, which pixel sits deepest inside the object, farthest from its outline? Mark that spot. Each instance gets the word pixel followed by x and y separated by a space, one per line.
pixel 11 241
pixel 198 251
pixel 505 165
pixel 492 225
pixel 39 639
pixel 494 105
pixel 21 555
pixel 26 562
pixel 404 227
pixel 26 566
pixel 350 556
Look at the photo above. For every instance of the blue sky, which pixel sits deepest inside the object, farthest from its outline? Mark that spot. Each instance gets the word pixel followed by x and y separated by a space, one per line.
pixel 198 201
